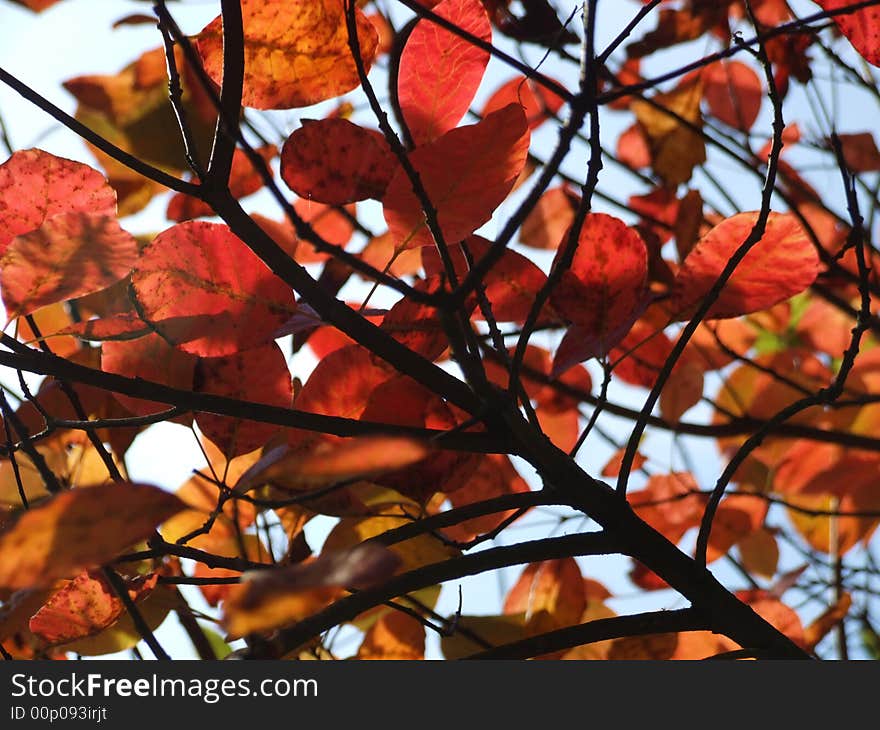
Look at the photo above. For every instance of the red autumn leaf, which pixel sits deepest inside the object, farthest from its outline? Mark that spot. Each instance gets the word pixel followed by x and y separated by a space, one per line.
pixel 417 325
pixel 682 390
pixel 35 186
pixel 861 27
pixel 733 92
pixel 284 65
pixel 327 222
pixel 151 358
pixel 86 606
pixel 336 162
pixel 259 375
pixel 80 529
pixel 466 174
pixel 639 356
pixel 603 290
pixel 198 268
pixel 243 181
pixel 776 613
pixel 341 384
pixel 783 263
pixel 612 468
pixel 404 402
pixel 547 222
pixel 68 256
pixel 539 103
pixel 633 148
pixel 440 71
pixel 511 285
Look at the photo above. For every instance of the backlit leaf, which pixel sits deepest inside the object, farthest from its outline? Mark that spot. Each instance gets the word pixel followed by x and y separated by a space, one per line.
pixel 86 606
pixel 259 375
pixel 440 71
pixel 198 268
pixel 35 186
pixel 151 358
pixel 69 255
pixel 783 263
pixel 272 598
pixel 79 529
pixel 466 174
pixel 295 51
pixel 676 147
pixel 361 457
pixel 603 290
pixel 336 162
pixel 539 102
pixel 550 594
pixel 861 27
pixel 395 636
pixel 733 92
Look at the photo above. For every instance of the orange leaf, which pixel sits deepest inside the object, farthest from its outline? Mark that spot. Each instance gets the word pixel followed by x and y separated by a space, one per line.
pixel 466 173
pixel 653 647
pixel 79 529
pixel 783 263
pixel 683 390
pixel 493 477
pixel 86 606
pixel 336 162
pixel 831 617
pixel 394 636
pixel 295 51
pixel 551 595
pixel 774 612
pixel 440 71
pixel 549 219
pixel 198 268
pixel 759 553
pixel 329 463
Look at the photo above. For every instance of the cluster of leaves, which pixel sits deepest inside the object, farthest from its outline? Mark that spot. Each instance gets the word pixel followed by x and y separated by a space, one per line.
pixel 406 429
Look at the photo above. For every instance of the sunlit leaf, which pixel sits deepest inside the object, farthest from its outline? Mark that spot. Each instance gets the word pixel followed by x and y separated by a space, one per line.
pixel 466 174
pixel 199 268
pixel 781 264
pixel 861 27
pixel 440 71
pixel 86 606
pixel 79 529
pixel 296 52
pixel 336 162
